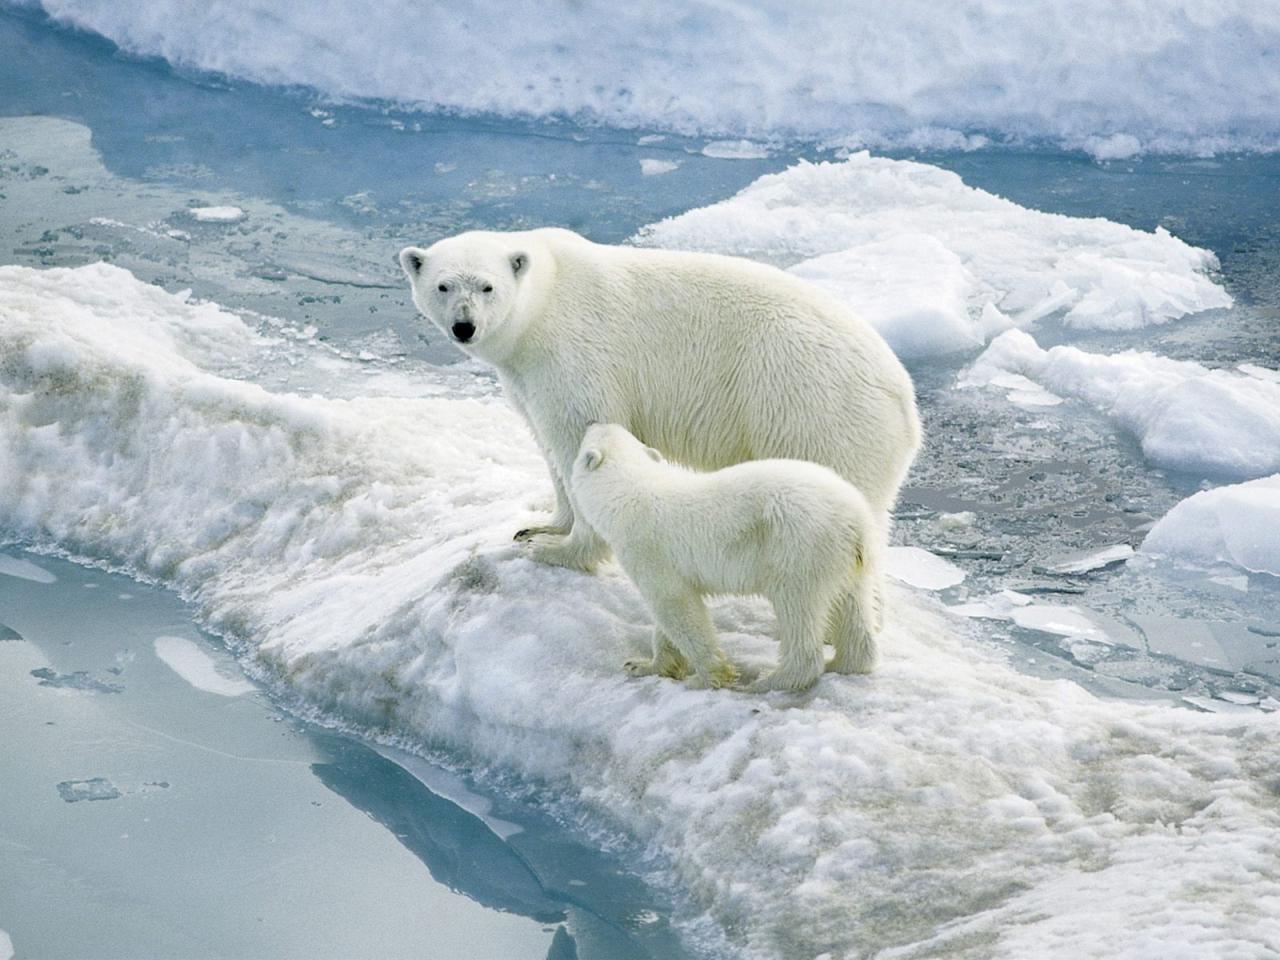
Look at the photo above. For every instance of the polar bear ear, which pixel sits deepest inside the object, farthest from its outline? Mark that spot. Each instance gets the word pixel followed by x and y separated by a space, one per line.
pixel 654 455
pixel 413 259
pixel 592 458
pixel 519 263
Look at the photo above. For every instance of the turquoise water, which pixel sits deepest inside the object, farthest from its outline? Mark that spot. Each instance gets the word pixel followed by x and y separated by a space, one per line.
pixel 147 815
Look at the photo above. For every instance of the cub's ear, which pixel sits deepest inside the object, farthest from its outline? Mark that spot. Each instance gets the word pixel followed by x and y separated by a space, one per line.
pixel 592 458
pixel 519 263
pixel 413 259
pixel 654 455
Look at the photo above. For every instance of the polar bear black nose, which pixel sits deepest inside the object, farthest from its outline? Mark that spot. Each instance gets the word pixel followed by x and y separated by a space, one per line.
pixel 463 331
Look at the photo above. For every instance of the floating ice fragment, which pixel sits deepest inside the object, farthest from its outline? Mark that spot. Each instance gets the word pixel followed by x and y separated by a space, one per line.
pixel 24 570
pixel 6 946
pixel 217 214
pixel 651 167
pixel 1091 559
pixel 98 788
pixel 8 633
pixel 922 569
pixel 735 150
pixel 1187 417
pixel 189 661
pixel 1237 524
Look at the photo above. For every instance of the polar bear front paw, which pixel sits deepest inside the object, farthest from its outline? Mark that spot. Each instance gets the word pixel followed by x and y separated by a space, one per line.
pixel 644 667
pixel 559 551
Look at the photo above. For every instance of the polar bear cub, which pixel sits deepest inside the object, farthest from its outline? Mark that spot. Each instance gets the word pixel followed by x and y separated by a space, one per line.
pixel 791 531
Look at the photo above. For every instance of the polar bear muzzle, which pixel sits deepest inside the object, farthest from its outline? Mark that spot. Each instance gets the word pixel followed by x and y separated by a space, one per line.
pixel 463 331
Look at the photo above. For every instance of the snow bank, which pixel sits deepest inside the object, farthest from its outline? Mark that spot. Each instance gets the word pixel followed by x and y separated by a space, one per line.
pixel 1209 422
pixel 359 552
pixel 938 266
pixel 1237 524
pixel 1115 79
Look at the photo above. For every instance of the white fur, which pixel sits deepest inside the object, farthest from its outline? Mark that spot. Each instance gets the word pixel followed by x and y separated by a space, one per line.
pixel 791 531
pixel 713 360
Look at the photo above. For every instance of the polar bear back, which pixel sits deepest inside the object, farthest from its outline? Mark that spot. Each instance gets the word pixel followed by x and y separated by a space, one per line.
pixel 718 360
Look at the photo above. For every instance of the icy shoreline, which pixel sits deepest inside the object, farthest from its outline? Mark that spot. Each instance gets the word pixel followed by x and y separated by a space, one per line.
pixel 358 551
pixel 1160 76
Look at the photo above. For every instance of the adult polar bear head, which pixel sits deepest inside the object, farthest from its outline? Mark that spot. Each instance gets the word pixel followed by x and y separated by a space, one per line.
pixel 478 287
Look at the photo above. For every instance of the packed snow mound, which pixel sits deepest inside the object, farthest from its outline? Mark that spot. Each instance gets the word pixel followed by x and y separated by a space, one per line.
pixel 1115 79
pixel 357 552
pixel 1213 423
pixel 1237 524
pixel 938 266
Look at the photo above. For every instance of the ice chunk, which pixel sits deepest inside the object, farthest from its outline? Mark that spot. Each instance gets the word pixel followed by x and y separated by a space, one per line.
pixel 217 214
pixel 6 946
pixel 188 660
pixel 24 570
pixel 1237 524
pixel 8 633
pixel 1105 77
pixel 912 289
pixel 651 167
pixel 735 150
pixel 1092 559
pixel 922 569
pixel 99 788
pixel 936 265
pixel 1187 417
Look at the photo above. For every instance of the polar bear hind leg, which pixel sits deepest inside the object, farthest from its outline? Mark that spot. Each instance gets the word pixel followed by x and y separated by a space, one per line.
pixel 802 618
pixel 856 616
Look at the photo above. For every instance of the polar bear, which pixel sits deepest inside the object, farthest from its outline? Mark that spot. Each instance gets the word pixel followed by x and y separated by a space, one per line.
pixel 788 530
pixel 712 360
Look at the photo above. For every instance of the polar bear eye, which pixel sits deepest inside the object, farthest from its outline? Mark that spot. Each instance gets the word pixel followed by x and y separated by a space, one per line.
pixel 443 288
pixel 488 288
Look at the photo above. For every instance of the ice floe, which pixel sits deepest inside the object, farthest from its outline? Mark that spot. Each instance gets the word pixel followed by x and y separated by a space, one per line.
pixel 938 266
pixel 24 570
pixel 1237 524
pixel 1215 423
pixel 357 553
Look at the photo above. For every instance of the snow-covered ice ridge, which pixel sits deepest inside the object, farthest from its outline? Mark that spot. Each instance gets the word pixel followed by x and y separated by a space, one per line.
pixel 357 551
pixel 938 266
pixel 1114 79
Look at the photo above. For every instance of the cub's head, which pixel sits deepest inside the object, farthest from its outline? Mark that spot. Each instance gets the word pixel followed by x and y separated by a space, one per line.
pixel 607 448
pixel 470 287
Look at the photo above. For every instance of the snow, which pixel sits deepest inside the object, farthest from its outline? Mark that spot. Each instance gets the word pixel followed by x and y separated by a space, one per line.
pixel 217 214
pixel 1215 423
pixel 1237 524
pixel 356 553
pixel 937 266
pixel 24 570
pixel 922 569
pixel 6 946
pixel 189 661
pixel 1113 79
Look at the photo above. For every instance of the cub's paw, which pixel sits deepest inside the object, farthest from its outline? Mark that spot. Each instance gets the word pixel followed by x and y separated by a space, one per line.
pixel 781 680
pixel 723 674
pixel 639 667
